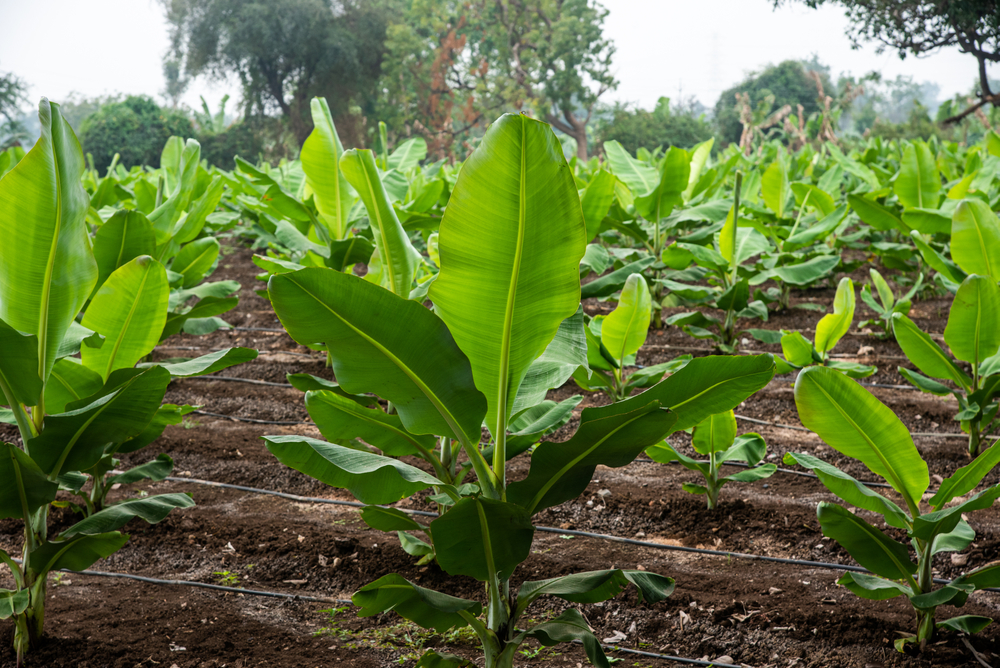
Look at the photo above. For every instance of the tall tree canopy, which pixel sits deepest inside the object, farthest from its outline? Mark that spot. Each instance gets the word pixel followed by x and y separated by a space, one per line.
pixel 453 65
pixel 919 27
pixel 284 52
pixel 788 82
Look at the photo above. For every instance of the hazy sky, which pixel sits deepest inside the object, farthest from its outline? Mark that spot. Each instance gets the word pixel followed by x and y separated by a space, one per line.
pixel 665 47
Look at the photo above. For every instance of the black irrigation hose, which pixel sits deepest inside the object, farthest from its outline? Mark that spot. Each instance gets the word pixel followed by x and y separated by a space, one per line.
pixel 205 585
pixel 259 329
pixel 340 601
pixel 665 657
pixel 243 419
pixel 232 379
pixel 918 434
pixel 738 417
pixel 259 352
pixel 568 532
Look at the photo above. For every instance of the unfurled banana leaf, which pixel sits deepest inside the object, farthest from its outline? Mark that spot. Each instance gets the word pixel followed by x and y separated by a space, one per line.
pixel 47 270
pixel 129 310
pixel 510 244
pixel 853 422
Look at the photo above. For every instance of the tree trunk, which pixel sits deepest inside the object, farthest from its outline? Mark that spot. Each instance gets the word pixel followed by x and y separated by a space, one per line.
pixel 581 142
pixel 573 127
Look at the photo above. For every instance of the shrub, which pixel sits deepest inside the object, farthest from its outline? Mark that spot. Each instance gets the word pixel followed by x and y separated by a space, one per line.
pixel 638 128
pixel 136 128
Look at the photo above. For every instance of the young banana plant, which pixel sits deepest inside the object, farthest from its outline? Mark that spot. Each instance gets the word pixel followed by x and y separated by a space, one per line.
pixel 506 326
pixel 800 352
pixel 857 425
pixel 716 438
pixel 614 340
pixel 73 415
pixel 887 304
pixel 973 336
pixel 727 291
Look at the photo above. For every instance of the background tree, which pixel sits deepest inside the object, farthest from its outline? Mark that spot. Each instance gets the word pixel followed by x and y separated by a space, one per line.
pixel 788 82
pixel 920 27
pixel 432 83
pixel 453 66
pixel 13 94
pixel 551 57
pixel 683 126
pixel 284 52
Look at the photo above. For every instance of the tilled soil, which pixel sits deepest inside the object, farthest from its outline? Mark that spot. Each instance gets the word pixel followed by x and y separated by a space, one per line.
pixel 755 612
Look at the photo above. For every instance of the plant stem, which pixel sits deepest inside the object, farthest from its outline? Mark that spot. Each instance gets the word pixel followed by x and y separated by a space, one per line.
pixel 925 582
pixel 713 482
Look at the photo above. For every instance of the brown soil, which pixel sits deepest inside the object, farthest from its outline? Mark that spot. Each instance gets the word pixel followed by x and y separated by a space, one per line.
pixel 757 613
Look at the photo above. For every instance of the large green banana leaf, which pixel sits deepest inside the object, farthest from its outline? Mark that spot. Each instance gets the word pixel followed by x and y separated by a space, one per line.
pixel 23 486
pixel 75 440
pixel 19 366
pixel 321 154
pixel 340 420
pixel 482 538
pixel 925 353
pixel 918 184
pixel 426 607
pixel 975 237
pixel 870 547
pixel 152 509
pixel 47 269
pixel 510 242
pixel 126 236
pixel 129 310
pixel 610 436
pixel 371 478
pixel 710 385
pixel 973 330
pixel 382 343
pixel 853 422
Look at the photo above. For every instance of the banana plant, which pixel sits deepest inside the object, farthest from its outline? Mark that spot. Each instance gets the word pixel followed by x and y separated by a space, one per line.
pixel 799 352
pixel 715 437
pixel 614 340
pixel 857 425
pixel 887 304
pixel 973 336
pixel 506 314
pixel 67 412
pixel 727 291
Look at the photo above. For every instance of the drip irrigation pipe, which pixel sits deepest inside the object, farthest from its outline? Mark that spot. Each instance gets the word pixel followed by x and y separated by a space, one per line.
pixel 918 434
pixel 567 532
pixel 665 657
pixel 205 585
pixel 259 329
pixel 232 379
pixel 340 601
pixel 259 352
pixel 243 419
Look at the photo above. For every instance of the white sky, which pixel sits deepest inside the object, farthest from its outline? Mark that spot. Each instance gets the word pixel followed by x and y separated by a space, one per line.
pixel 697 47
